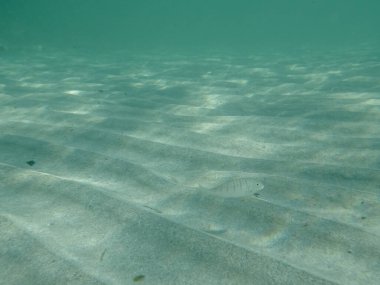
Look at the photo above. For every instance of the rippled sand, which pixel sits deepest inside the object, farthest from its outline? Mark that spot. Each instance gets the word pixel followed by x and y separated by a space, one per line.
pixel 179 169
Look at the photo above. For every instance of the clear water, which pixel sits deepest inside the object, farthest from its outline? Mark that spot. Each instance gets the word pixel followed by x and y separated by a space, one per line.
pixel 190 25
pixel 189 142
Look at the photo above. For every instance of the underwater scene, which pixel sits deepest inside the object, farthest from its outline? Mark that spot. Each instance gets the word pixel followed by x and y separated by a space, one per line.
pixel 189 142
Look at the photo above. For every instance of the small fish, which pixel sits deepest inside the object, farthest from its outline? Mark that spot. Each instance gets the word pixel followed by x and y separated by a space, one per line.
pixel 237 187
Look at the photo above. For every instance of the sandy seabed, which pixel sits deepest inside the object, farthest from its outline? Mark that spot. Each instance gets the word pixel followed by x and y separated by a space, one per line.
pixel 189 169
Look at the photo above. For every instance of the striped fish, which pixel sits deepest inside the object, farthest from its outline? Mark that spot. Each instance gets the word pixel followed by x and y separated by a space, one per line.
pixel 237 187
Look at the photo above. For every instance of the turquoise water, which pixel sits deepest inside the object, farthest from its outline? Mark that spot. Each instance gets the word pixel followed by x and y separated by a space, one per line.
pixel 189 142
pixel 181 24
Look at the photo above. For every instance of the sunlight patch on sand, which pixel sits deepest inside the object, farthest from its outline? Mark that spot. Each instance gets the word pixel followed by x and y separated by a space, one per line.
pixel 73 92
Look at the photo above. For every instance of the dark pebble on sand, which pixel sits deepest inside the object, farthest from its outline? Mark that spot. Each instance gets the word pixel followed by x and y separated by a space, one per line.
pixel 138 278
pixel 31 162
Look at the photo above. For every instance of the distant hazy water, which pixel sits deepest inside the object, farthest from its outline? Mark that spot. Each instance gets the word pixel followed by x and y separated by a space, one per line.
pixel 189 25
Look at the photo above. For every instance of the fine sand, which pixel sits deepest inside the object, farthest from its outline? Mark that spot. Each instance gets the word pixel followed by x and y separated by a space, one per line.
pixel 175 169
